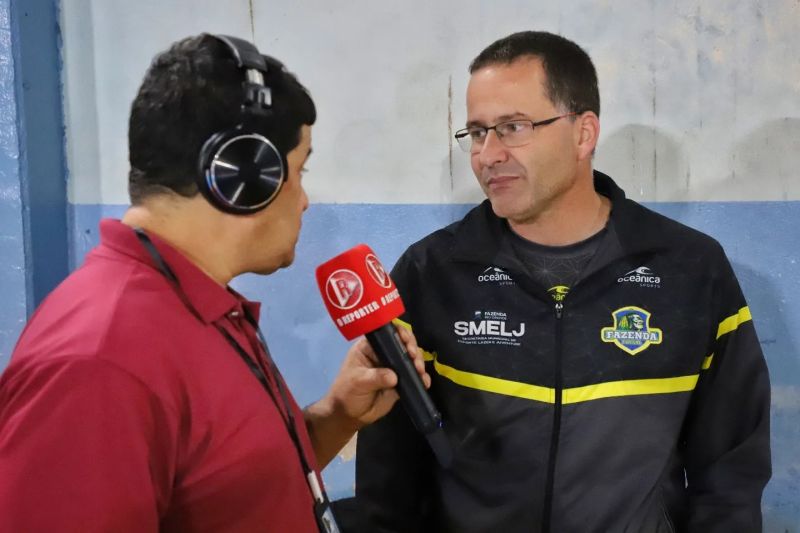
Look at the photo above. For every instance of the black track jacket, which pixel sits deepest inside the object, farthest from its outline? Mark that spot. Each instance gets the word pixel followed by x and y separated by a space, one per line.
pixel 637 403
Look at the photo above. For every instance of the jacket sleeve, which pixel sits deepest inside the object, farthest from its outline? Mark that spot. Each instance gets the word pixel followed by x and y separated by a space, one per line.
pixel 727 431
pixel 393 461
pixel 78 450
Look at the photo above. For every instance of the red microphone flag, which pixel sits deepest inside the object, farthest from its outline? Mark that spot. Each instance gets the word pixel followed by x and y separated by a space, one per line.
pixel 358 292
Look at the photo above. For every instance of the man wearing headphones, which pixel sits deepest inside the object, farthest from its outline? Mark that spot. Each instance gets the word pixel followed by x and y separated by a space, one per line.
pixel 141 395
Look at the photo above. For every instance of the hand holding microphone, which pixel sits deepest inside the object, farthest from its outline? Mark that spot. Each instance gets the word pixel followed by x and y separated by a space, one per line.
pixel 362 300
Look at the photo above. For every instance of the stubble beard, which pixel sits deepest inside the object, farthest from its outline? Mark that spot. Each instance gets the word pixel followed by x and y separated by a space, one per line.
pixel 539 200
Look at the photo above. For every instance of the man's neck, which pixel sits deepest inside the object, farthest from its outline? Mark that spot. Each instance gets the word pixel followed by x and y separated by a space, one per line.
pixel 184 231
pixel 572 218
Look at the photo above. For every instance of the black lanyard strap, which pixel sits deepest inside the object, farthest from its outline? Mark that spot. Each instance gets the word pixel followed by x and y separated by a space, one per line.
pixel 288 416
pixel 253 364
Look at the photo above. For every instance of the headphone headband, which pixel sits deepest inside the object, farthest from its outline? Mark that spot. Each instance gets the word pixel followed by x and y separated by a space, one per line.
pixel 257 95
pixel 244 52
pixel 240 170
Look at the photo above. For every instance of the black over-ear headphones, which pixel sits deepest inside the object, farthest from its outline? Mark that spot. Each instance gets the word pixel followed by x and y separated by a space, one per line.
pixel 240 170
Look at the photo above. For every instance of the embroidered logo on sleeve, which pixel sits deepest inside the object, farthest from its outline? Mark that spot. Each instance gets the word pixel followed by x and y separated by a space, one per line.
pixel 631 331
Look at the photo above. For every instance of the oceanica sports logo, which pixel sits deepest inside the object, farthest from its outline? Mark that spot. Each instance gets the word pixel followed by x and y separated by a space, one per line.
pixel 643 276
pixel 489 327
pixel 496 275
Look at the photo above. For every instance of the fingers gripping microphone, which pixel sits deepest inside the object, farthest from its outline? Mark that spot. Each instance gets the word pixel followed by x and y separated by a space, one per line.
pixel 362 300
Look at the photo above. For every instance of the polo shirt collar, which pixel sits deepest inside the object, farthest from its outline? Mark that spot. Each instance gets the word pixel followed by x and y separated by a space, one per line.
pixel 211 300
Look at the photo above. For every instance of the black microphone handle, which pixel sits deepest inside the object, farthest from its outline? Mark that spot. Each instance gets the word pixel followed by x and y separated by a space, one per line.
pixel 416 400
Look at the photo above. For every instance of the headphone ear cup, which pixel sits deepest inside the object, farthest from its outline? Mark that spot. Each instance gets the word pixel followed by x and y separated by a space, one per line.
pixel 240 172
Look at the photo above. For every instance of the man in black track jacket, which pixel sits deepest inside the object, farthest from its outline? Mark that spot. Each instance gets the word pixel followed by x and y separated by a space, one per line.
pixel 595 363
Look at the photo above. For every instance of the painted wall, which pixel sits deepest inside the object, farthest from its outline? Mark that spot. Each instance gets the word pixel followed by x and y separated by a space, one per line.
pixel 33 203
pixel 43 178
pixel 701 115
pixel 12 241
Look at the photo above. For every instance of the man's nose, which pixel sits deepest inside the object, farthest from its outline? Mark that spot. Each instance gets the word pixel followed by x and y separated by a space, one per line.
pixel 492 151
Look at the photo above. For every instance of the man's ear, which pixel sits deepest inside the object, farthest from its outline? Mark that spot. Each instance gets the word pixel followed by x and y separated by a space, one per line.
pixel 588 133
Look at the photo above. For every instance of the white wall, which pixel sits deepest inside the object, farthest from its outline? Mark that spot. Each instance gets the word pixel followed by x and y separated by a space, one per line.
pixel 693 93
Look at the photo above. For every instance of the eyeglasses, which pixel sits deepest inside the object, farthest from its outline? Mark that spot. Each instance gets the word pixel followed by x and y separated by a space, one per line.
pixel 511 133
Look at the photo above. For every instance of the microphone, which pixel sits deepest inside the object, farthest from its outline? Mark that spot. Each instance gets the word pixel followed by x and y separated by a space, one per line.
pixel 362 300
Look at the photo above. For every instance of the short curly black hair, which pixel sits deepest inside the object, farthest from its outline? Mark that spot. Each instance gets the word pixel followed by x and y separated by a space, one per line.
pixel 191 91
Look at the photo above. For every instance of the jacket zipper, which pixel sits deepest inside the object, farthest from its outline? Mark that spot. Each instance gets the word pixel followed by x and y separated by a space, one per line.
pixel 551 465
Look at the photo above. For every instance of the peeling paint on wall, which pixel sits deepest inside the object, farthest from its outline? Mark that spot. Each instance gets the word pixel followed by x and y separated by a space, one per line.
pixel 12 244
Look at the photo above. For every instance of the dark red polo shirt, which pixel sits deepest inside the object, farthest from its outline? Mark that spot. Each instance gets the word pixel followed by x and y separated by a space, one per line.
pixel 121 411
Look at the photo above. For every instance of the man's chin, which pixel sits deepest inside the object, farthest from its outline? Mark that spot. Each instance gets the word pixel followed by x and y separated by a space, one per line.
pixel 502 207
pixel 513 212
pixel 288 260
pixel 267 270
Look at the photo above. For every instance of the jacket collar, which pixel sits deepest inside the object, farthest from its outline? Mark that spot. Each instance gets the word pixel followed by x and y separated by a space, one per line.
pixel 481 235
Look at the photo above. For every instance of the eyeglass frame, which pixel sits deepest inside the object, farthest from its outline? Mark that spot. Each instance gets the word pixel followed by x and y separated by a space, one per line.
pixel 464 133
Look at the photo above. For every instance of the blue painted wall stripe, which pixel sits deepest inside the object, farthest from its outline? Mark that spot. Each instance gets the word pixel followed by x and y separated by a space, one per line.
pixel 761 239
pixel 12 242
pixel 36 41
